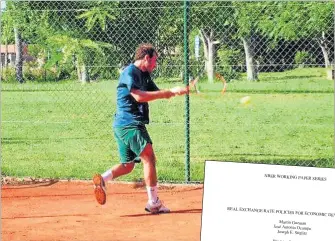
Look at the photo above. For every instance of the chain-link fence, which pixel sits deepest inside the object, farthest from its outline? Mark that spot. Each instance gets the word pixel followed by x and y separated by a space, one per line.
pixel 60 61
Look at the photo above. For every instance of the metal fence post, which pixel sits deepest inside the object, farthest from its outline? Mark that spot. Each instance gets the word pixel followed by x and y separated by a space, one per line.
pixel 187 100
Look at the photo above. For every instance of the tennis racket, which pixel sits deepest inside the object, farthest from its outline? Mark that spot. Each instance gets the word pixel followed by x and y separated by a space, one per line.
pixel 224 82
pixel 186 89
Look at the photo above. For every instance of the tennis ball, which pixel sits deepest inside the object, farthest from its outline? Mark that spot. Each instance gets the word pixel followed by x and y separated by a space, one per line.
pixel 245 100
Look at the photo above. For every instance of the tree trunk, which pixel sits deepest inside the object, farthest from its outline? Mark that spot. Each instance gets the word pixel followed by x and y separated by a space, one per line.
pixel 323 46
pixel 325 55
pixel 210 62
pixel 78 73
pixel 209 52
pixel 82 72
pixel 6 54
pixel 19 56
pixel 250 61
pixel 202 37
pixel 78 70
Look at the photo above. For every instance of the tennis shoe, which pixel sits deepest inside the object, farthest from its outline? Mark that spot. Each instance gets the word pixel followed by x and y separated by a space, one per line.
pixel 157 207
pixel 99 189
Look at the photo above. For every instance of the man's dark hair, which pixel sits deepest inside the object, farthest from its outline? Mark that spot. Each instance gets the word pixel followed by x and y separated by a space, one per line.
pixel 144 49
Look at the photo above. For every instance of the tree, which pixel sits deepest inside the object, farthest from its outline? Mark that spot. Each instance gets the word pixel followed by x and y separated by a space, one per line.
pixel 169 38
pixel 99 15
pixel 246 18
pixel 19 55
pixel 212 21
pixel 293 21
pixel 22 23
pixel 122 24
pixel 7 34
pixel 13 19
pixel 320 24
pixel 66 47
pixel 64 35
pixel 137 22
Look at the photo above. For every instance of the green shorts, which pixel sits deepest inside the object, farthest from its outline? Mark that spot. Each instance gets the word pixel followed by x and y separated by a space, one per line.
pixel 131 142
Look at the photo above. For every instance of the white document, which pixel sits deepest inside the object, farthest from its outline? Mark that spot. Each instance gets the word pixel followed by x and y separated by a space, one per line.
pixel 256 202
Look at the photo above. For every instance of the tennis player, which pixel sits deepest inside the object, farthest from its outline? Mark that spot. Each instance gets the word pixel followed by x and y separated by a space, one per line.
pixel 135 89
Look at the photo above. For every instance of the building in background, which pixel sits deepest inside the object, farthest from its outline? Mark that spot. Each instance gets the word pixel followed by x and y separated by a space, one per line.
pixel 10 51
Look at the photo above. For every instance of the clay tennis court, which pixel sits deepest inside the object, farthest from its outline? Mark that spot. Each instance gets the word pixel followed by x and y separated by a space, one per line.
pixel 68 211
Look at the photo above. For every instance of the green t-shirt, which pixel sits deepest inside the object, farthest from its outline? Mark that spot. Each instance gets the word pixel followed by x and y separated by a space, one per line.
pixel 129 112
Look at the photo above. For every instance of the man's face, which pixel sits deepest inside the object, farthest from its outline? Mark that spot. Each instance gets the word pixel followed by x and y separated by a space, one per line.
pixel 151 63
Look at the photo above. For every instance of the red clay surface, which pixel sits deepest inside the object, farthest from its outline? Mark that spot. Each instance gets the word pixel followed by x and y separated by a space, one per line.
pixel 69 211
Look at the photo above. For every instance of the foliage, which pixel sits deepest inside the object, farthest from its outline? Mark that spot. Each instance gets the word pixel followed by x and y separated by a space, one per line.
pixel 228 62
pixel 7 31
pixel 170 67
pixel 8 75
pixel 98 15
pixel 39 75
pixel 124 24
pixel 293 21
pixel 302 58
pixel 212 17
pixel 247 16
pixel 65 49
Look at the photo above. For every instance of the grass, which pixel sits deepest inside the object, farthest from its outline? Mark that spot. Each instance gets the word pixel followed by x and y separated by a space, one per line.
pixel 63 130
pixel 311 80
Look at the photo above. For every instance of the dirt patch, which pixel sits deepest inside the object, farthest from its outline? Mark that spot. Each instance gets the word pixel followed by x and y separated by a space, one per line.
pixel 46 209
pixel 17 181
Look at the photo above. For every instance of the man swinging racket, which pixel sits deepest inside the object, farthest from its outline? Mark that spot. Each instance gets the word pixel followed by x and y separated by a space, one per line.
pixel 135 89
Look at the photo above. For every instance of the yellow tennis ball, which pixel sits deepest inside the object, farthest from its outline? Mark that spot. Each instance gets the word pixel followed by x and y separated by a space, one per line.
pixel 245 100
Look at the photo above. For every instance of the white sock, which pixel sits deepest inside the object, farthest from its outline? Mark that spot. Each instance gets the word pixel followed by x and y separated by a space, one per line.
pixel 152 194
pixel 107 175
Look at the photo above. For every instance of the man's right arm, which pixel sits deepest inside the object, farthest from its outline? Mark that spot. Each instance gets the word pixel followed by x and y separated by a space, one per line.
pixel 146 96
